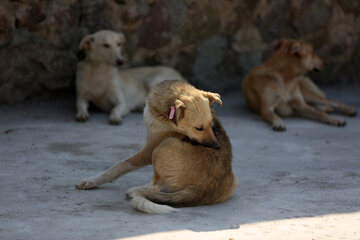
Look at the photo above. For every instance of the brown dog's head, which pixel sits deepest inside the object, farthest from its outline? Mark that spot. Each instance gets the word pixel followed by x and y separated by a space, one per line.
pixel 104 46
pixel 193 118
pixel 300 51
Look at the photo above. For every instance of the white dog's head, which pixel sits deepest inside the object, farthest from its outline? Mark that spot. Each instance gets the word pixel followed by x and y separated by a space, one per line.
pixel 104 46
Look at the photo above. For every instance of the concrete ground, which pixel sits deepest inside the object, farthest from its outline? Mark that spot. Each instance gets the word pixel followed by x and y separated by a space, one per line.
pixel 300 184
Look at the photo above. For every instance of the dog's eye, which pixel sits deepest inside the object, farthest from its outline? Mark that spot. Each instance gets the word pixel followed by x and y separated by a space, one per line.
pixel 106 45
pixel 119 44
pixel 199 129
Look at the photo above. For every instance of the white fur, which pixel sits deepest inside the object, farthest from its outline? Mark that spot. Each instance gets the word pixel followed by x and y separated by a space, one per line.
pixel 141 203
pixel 99 81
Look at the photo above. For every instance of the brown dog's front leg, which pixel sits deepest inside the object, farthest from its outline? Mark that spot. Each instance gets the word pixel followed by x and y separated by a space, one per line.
pixel 271 117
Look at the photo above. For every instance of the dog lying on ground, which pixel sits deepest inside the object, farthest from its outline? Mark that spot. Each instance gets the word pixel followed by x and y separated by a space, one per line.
pixel 98 80
pixel 278 87
pixel 188 147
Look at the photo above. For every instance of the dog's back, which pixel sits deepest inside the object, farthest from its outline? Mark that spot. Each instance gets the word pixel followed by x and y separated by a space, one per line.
pixel 187 171
pixel 205 173
pixel 187 174
pixel 150 76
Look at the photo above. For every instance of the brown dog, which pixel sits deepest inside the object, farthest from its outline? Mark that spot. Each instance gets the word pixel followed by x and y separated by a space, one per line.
pixel 189 149
pixel 278 87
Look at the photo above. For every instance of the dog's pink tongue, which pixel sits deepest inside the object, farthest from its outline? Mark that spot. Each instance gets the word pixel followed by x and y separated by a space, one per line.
pixel 172 112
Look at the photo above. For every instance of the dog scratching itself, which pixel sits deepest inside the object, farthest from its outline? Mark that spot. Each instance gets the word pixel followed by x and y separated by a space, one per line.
pixel 188 147
pixel 278 88
pixel 98 79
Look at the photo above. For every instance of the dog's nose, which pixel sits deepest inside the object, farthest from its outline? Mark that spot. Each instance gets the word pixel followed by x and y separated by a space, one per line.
pixel 119 62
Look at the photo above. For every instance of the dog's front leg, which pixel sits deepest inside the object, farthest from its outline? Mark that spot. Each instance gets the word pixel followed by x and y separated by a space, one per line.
pixel 82 105
pixel 117 113
pixel 268 115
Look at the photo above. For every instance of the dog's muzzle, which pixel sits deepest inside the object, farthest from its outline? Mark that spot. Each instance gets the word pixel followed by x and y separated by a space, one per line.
pixel 119 62
pixel 215 145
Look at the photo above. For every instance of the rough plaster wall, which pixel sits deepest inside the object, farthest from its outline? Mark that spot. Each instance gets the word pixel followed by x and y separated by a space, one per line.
pixel 213 43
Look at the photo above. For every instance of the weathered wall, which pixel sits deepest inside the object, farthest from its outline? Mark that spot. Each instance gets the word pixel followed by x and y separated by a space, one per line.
pixel 214 43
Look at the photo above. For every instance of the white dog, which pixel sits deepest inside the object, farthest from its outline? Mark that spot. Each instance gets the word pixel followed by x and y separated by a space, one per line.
pixel 98 80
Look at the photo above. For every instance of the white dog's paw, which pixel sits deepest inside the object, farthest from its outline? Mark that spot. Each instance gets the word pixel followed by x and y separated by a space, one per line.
pixel 278 126
pixel 115 120
pixel 337 121
pixel 82 116
pixel 88 183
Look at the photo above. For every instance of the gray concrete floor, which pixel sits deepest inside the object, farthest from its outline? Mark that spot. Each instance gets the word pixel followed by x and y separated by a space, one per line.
pixel 304 182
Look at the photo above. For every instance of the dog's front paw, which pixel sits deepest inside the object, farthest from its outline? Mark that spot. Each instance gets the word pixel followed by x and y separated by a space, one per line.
pixel 352 112
pixel 279 126
pixel 86 184
pixel 114 120
pixel 336 121
pixel 82 116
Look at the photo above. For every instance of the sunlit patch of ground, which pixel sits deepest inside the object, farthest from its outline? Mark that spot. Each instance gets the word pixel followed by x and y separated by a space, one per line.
pixel 334 226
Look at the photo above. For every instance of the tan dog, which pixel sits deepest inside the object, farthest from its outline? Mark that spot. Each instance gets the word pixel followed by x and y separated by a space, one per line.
pixel 98 80
pixel 189 149
pixel 278 87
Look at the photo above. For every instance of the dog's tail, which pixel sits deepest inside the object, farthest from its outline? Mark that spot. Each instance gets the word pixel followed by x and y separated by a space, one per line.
pixel 144 198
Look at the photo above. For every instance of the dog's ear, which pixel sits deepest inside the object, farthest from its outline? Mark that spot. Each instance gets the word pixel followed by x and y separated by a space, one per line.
pixel 279 44
pixel 283 45
pixel 296 48
pixel 176 111
pixel 122 38
pixel 86 42
pixel 213 97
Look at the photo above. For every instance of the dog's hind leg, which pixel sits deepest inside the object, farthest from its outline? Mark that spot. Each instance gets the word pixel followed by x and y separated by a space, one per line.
pixel 140 159
pixel 328 104
pixel 313 95
pixel 117 113
pixel 307 111
pixel 324 108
